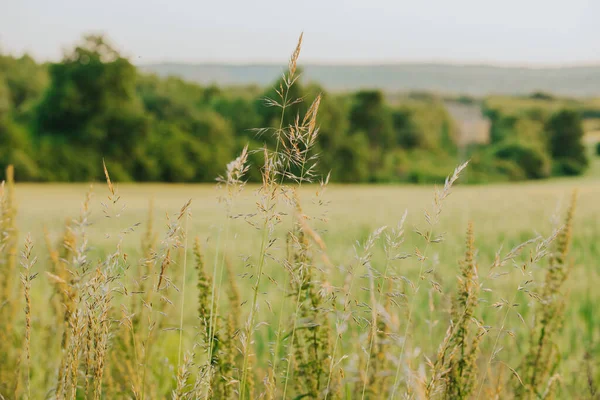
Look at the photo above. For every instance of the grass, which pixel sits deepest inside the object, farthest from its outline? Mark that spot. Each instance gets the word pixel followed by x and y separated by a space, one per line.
pixel 503 215
pixel 513 208
pixel 300 289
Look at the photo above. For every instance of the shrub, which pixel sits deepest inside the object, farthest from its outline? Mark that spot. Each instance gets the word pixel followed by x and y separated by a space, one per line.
pixel 534 163
pixel 510 169
pixel 568 167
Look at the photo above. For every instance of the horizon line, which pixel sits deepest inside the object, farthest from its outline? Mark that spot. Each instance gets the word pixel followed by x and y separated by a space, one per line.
pixel 140 62
pixel 379 63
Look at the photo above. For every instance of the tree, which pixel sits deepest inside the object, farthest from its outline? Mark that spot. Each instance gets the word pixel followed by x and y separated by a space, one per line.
pixel 502 127
pixel 541 96
pixel 294 99
pixel 565 134
pixel 92 101
pixel 25 79
pixel 528 130
pixel 194 151
pixel 369 114
pixel 5 101
pixel 407 134
pixel 16 149
pixel 353 160
pixel 333 130
pixel 15 146
pixel 424 124
pixel 241 112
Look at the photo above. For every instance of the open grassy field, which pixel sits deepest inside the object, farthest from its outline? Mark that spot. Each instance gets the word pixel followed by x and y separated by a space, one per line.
pixel 292 288
pixel 421 285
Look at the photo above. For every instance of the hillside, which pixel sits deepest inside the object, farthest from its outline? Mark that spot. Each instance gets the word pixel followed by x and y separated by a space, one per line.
pixel 448 79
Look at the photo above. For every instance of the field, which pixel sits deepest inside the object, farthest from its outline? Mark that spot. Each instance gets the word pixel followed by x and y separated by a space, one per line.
pixel 343 216
pixel 293 288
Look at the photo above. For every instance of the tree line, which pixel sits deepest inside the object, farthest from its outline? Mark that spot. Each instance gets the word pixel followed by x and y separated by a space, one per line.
pixel 58 121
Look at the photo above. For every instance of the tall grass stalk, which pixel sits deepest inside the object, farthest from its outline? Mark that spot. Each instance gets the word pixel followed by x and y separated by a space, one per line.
pixel 392 243
pixel 540 251
pixel 183 285
pixel 432 220
pixel 27 262
pixel 270 189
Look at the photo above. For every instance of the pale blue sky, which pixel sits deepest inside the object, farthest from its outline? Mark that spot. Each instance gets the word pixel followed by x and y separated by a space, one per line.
pixel 522 32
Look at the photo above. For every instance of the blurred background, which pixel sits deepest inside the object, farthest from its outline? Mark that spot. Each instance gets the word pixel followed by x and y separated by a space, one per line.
pixel 171 91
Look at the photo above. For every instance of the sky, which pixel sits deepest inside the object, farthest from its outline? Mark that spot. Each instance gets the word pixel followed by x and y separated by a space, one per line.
pixel 507 32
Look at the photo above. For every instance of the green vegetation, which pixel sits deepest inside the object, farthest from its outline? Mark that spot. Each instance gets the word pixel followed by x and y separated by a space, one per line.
pixel 59 121
pixel 99 276
pixel 535 137
pixel 299 290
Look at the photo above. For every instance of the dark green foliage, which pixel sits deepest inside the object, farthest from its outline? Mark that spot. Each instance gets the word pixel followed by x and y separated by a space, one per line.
pixel 25 80
pixel 407 134
pixel 370 115
pixel 59 121
pixel 541 96
pixel 598 149
pixel 192 153
pixel 271 114
pixel 565 134
pixel 544 129
pixel 532 161
pixel 242 113
pixel 5 99
pixel 92 101
pixel 502 126
pixel 16 149
pixel 334 125
pixel 15 144
pixel 567 167
pixel 353 160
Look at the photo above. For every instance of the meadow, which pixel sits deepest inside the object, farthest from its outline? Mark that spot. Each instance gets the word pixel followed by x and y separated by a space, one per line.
pixel 344 217
pixel 297 288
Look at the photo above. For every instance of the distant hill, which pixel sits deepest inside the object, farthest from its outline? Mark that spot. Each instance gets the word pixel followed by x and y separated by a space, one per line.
pixel 475 80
